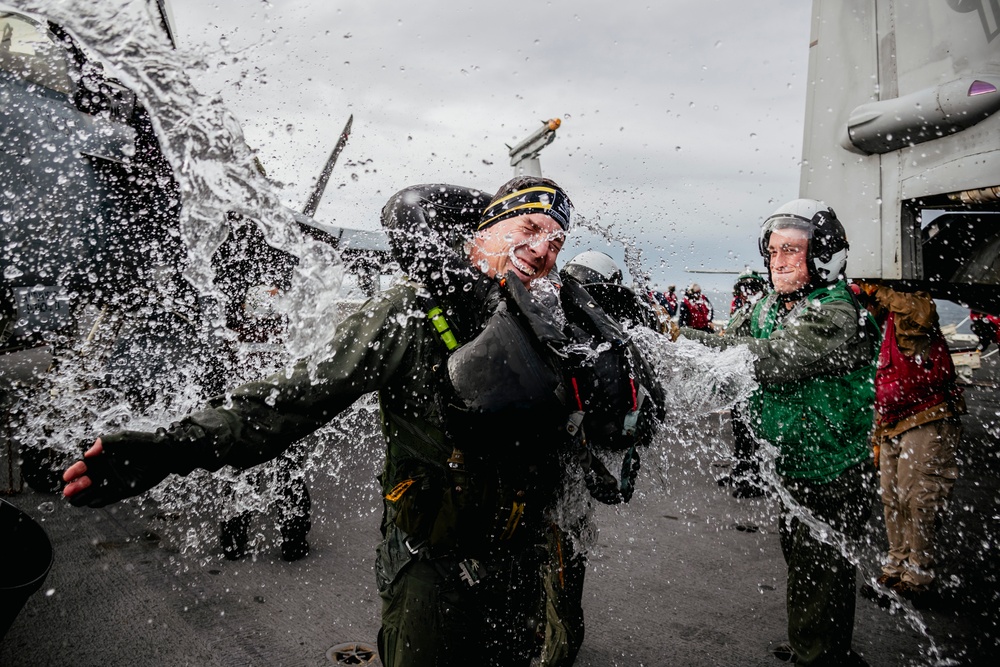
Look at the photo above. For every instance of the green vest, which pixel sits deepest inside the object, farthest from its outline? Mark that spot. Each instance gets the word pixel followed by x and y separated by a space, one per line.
pixel 821 425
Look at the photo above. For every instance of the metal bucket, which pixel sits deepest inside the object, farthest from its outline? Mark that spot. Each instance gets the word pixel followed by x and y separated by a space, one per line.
pixel 27 561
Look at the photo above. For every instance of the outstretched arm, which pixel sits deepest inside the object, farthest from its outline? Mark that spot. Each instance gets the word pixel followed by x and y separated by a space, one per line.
pixel 813 342
pixel 76 475
pixel 255 422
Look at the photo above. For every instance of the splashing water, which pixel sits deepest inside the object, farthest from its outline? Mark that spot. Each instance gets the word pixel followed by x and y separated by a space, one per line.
pixel 697 381
pixel 215 173
pixel 153 378
pixel 215 169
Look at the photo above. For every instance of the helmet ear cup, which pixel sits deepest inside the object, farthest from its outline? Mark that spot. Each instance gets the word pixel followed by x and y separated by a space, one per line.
pixel 829 271
pixel 828 247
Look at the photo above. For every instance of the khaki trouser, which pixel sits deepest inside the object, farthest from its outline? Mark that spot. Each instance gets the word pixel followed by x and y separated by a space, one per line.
pixel 918 470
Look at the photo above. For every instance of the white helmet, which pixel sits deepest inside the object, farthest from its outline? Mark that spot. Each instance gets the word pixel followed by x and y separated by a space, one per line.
pixel 827 251
pixel 592 266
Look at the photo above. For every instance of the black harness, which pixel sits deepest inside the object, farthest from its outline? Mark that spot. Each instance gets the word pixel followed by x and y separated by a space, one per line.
pixel 523 363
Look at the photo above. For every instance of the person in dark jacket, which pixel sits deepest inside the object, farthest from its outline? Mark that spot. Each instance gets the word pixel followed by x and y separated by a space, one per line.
pixel 815 349
pixel 986 327
pixel 601 276
pixel 475 422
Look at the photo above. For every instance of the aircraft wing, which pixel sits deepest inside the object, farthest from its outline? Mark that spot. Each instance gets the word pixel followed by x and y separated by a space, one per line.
pixel 350 242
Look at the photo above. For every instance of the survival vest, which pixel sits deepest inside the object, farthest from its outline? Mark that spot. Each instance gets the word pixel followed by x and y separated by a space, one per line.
pixel 904 385
pixel 507 460
pixel 820 425
pixel 523 370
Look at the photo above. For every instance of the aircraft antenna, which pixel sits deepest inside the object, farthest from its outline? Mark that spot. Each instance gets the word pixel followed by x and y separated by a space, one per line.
pixel 317 194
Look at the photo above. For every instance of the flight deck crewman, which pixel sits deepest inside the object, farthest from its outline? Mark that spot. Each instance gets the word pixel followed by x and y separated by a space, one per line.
pixel 816 349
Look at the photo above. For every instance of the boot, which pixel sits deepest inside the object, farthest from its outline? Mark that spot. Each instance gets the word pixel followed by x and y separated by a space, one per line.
pixel 294 521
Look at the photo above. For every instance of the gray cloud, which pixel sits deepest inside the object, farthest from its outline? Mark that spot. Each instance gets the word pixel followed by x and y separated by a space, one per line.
pixel 682 120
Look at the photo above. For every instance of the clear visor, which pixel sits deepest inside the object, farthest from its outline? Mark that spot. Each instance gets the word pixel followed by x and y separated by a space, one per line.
pixel 780 223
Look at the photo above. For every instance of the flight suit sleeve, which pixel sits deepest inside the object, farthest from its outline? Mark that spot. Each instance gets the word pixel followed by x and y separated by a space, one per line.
pixel 257 421
pixel 815 341
pixel 370 350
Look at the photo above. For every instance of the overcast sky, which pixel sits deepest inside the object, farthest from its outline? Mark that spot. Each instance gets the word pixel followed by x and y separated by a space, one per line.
pixel 682 120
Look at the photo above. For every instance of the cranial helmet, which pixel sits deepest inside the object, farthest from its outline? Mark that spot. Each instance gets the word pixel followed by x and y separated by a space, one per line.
pixel 592 266
pixel 602 278
pixel 827 250
pixel 750 282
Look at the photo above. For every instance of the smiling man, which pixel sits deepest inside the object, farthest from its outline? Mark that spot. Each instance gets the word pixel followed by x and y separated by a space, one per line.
pixel 467 252
pixel 816 349
pixel 458 241
pixel 528 245
pixel 474 460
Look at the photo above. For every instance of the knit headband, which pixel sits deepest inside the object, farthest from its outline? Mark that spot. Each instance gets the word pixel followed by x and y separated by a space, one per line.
pixel 552 202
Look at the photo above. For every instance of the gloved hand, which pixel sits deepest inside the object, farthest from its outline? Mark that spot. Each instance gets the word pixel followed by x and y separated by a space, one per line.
pixel 124 464
pixel 630 470
pixel 673 330
pixel 602 485
pixel 875 451
pixel 469 303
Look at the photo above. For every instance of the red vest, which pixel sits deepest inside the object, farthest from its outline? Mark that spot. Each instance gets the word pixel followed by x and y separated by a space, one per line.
pixel 906 385
pixel 671 303
pixel 697 311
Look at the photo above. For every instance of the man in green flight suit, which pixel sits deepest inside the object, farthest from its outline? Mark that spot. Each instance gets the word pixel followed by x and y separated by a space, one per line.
pixel 470 476
pixel 815 349
pixel 427 225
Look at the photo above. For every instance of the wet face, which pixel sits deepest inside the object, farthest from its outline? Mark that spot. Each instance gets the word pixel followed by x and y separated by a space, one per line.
pixel 787 249
pixel 528 245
